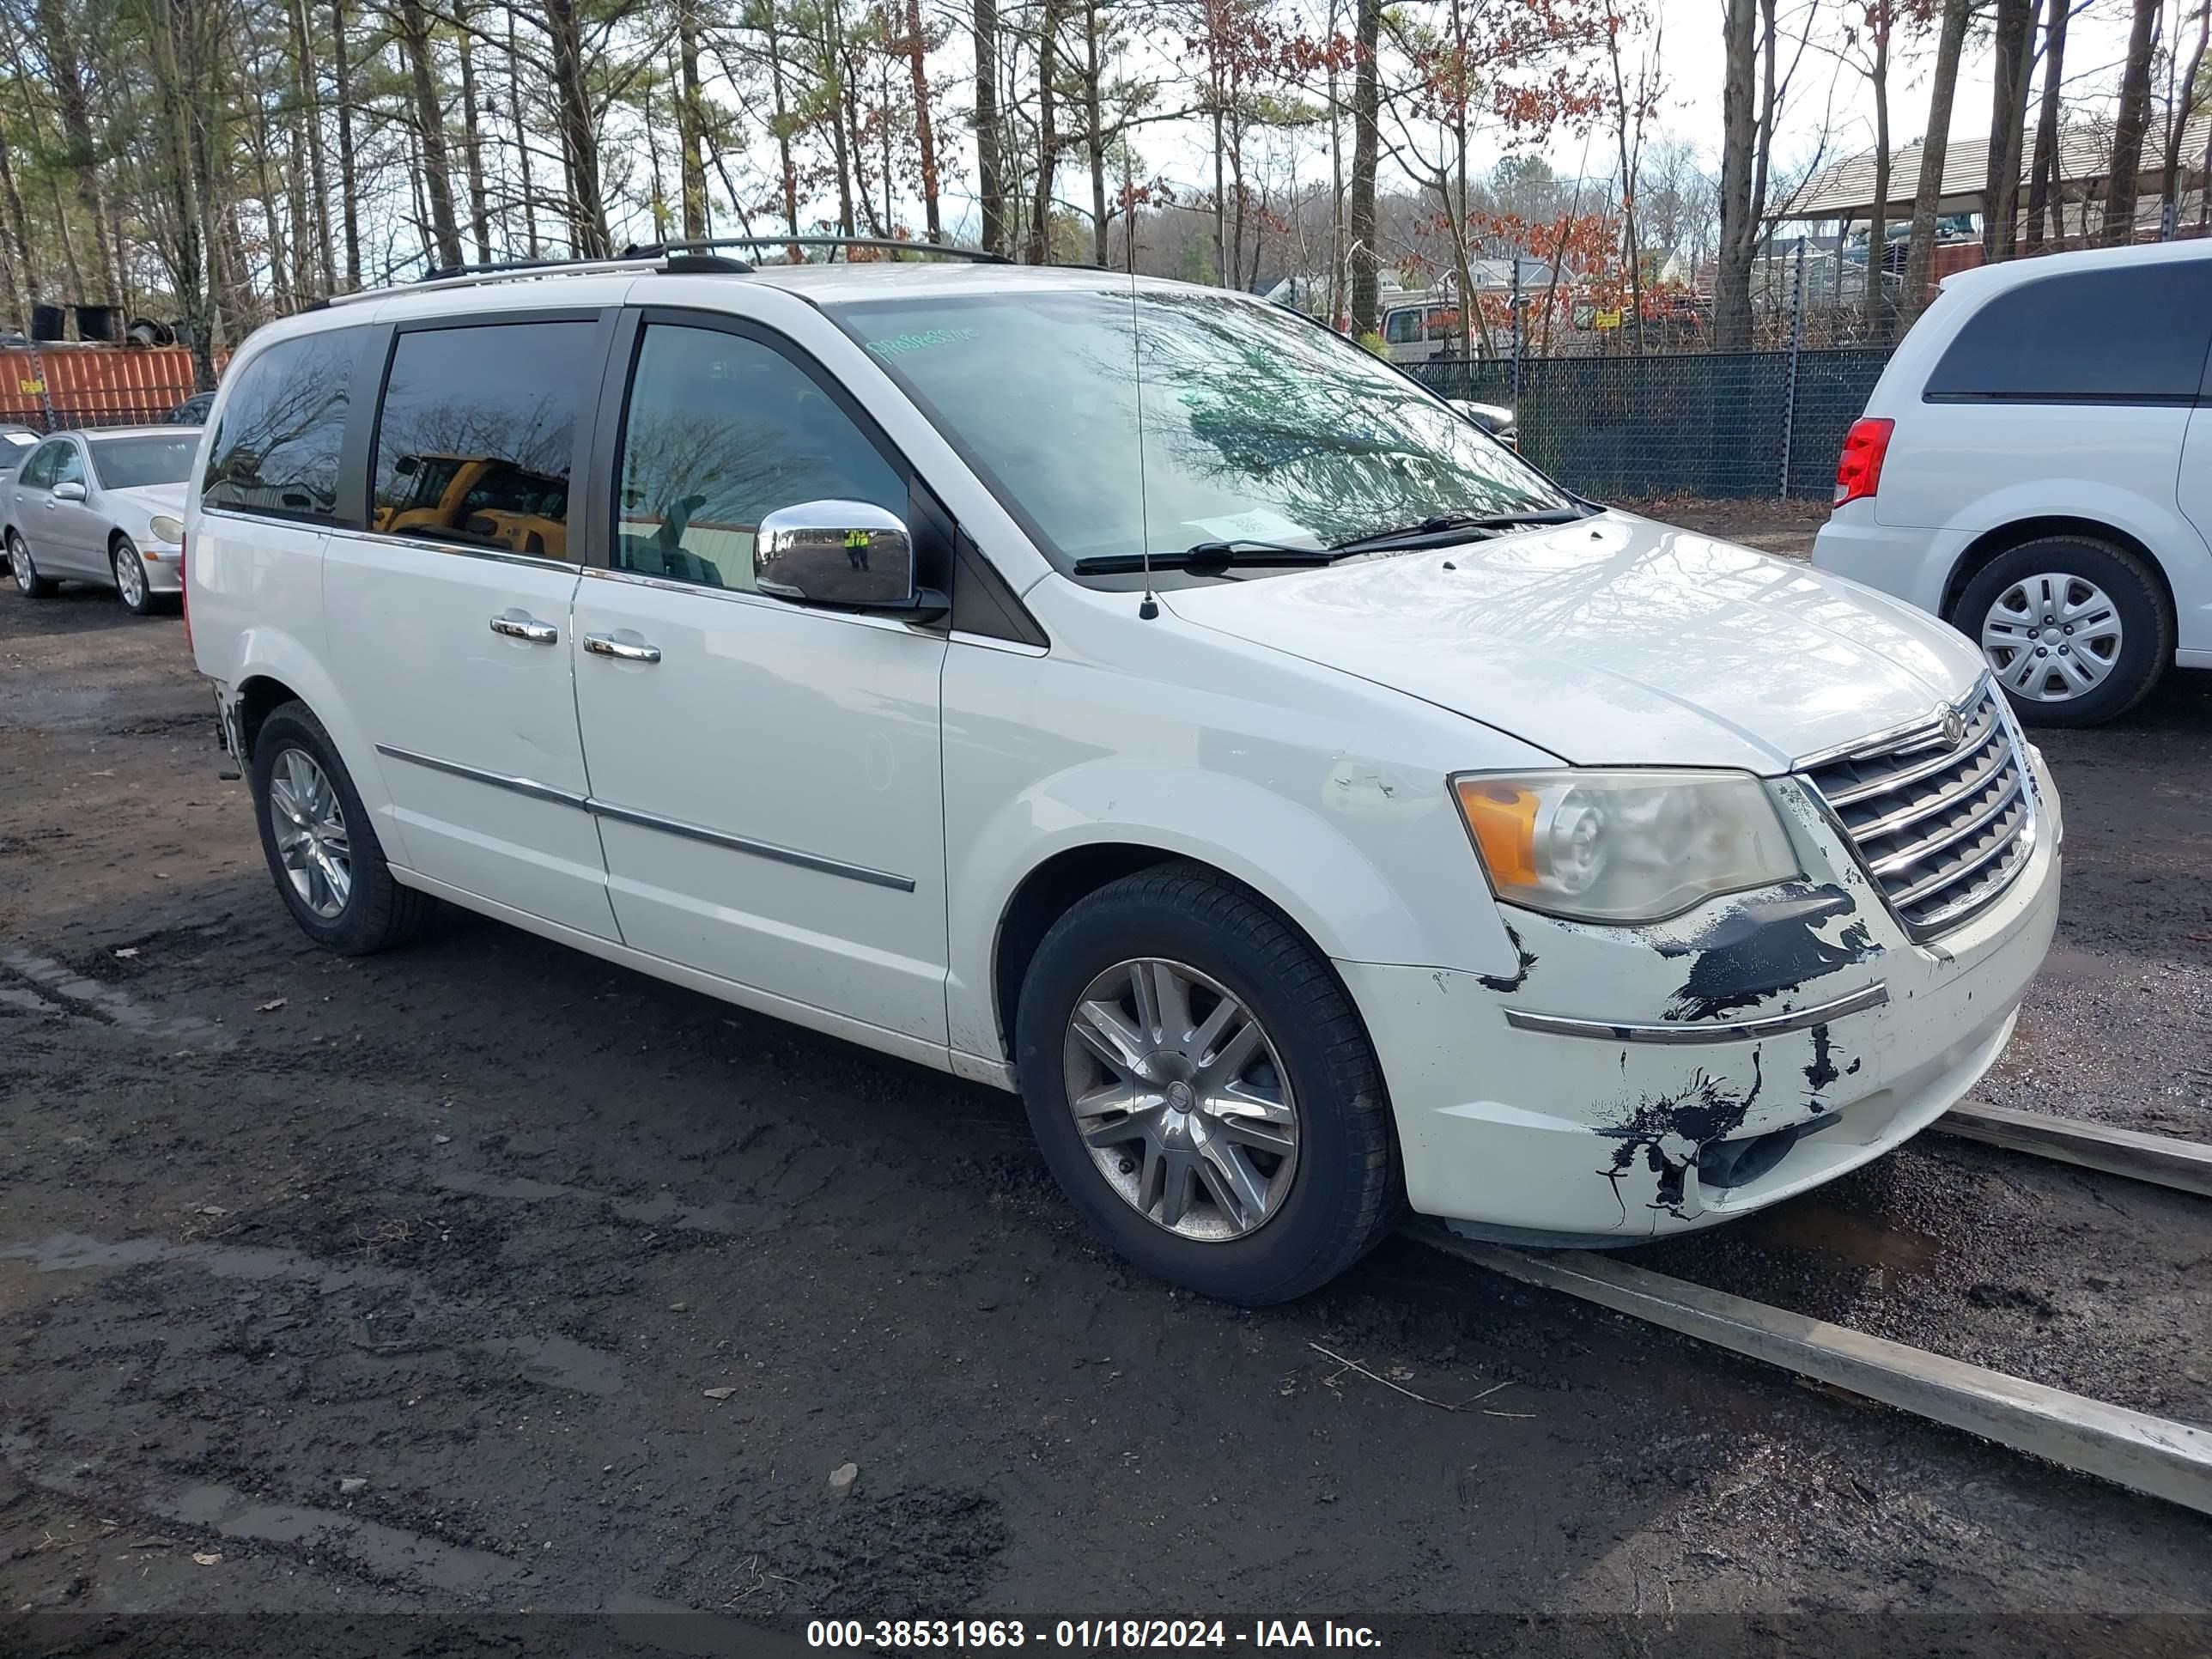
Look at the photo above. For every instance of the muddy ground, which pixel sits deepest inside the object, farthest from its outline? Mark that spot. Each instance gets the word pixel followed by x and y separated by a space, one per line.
pixel 484 1277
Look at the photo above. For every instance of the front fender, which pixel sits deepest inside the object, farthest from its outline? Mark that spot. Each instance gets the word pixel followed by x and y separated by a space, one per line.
pixel 1302 858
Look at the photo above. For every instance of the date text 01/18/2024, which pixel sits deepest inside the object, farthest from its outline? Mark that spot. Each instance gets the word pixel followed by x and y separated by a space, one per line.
pixel 1084 1634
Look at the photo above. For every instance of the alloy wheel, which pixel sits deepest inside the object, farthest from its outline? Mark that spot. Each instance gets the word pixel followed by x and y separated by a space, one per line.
pixel 19 562
pixel 2052 638
pixel 1180 1099
pixel 310 830
pixel 129 577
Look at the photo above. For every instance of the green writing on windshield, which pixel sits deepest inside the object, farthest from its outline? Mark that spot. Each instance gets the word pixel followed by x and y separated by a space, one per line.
pixel 899 344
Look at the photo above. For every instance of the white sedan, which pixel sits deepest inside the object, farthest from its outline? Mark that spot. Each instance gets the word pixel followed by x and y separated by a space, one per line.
pixel 104 507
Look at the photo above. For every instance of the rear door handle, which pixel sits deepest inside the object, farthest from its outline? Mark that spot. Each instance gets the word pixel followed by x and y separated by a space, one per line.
pixel 610 645
pixel 516 625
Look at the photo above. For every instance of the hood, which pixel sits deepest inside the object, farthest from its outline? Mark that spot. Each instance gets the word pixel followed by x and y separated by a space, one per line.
pixel 149 499
pixel 1614 641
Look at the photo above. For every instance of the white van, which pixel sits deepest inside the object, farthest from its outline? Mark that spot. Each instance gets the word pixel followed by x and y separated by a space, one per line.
pixel 1311 809
pixel 2036 466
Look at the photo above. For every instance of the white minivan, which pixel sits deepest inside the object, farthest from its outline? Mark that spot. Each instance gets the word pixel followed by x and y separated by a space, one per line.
pixel 2036 466
pixel 1135 696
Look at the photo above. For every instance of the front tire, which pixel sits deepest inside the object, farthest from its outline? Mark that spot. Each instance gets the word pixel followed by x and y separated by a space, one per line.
pixel 2076 630
pixel 28 582
pixel 328 867
pixel 1203 1090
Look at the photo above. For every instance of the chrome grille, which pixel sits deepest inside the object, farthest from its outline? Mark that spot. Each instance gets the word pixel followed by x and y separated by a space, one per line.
pixel 1942 823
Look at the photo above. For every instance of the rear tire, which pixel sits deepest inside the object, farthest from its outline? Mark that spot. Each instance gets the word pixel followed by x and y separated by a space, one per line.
pixel 131 585
pixel 2076 631
pixel 1286 1187
pixel 28 582
pixel 329 867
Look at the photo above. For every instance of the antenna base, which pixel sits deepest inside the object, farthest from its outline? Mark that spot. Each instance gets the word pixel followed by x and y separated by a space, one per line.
pixel 1150 609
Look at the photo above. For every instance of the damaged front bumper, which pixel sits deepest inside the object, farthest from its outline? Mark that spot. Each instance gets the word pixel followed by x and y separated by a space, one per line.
pixel 1633 1081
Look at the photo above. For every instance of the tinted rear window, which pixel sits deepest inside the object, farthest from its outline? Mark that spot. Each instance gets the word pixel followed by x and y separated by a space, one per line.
pixel 276 449
pixel 134 463
pixel 477 432
pixel 2130 334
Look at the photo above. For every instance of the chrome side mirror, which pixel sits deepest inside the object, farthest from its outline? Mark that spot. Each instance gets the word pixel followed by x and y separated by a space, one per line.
pixel 851 554
pixel 69 490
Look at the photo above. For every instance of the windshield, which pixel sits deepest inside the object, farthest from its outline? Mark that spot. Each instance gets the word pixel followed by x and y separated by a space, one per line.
pixel 1257 424
pixel 132 463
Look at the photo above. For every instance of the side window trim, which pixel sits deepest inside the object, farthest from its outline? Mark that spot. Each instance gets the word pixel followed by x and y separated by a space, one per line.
pixel 358 469
pixel 949 560
pixel 238 376
pixel 621 377
pixel 1957 359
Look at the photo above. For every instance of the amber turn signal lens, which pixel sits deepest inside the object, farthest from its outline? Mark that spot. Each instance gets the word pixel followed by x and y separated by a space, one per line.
pixel 1502 817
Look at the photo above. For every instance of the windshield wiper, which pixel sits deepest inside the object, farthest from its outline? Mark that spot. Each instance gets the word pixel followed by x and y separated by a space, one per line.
pixel 1205 555
pixel 1448 526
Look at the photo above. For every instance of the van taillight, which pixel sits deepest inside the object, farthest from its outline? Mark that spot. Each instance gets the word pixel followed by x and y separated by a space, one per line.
pixel 1859 473
pixel 183 593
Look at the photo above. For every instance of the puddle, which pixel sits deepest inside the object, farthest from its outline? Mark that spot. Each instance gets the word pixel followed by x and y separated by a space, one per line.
pixel 380 1550
pixel 1814 1226
pixel 555 1361
pixel 70 1252
pixel 733 1220
pixel 560 1362
pixel 106 1002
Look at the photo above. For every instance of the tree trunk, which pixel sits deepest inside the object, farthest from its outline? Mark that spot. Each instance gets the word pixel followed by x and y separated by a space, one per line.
pixel 580 139
pixel 2129 127
pixel 2043 183
pixel 1739 226
pixel 521 144
pixel 1920 256
pixel 1632 249
pixel 1040 240
pixel 472 143
pixel 430 123
pixel 1094 130
pixel 990 171
pixel 2177 119
pixel 1335 182
pixel 789 174
pixel 1366 143
pixel 1878 226
pixel 82 159
pixel 2008 77
pixel 690 120
pixel 924 129
pixel 18 286
pixel 348 191
pixel 319 186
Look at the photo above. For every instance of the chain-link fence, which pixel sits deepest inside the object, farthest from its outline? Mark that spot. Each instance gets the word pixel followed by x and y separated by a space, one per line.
pixel 1733 423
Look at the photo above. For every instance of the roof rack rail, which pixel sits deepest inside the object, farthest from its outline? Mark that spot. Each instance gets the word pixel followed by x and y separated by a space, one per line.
pixel 678 257
pixel 444 277
pixel 884 244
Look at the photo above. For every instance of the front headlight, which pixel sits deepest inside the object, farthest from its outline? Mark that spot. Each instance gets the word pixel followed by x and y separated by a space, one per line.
pixel 1623 845
pixel 167 529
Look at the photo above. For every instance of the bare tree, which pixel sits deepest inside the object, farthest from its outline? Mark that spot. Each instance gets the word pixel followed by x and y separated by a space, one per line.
pixel 2043 184
pixel 2011 68
pixel 1935 150
pixel 2124 182
pixel 2186 99
pixel 1366 144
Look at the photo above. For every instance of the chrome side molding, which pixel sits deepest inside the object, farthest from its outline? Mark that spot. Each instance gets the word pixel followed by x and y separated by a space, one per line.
pixel 1722 1030
pixel 602 809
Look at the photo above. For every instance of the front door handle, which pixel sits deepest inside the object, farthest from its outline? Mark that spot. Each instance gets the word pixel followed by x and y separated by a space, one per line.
pixel 608 645
pixel 518 626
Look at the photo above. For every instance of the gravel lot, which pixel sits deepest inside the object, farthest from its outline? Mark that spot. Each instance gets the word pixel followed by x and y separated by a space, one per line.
pixel 483 1276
